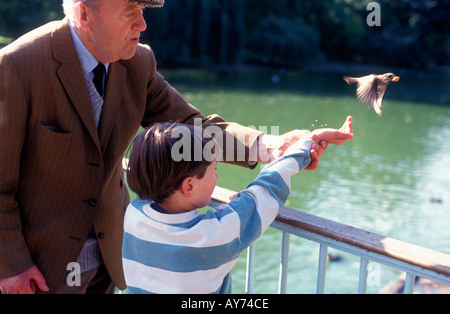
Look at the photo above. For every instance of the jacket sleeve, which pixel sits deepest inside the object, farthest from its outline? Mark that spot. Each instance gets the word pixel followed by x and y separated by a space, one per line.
pixel 166 104
pixel 14 254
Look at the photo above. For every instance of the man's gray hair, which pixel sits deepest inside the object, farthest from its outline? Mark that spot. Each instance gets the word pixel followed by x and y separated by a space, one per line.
pixel 68 6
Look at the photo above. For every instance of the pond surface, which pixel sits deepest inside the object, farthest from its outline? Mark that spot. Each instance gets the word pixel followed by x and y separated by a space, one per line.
pixel 392 179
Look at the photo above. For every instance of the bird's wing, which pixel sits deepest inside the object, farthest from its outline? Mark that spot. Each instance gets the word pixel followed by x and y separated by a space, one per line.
pixel 378 104
pixel 367 92
pixel 350 80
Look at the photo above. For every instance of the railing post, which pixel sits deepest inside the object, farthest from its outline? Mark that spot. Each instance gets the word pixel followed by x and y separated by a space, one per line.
pixel 250 269
pixel 284 262
pixel 409 283
pixel 363 272
pixel 323 256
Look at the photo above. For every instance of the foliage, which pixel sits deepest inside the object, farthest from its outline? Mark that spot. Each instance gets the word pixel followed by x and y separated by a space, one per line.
pixel 18 17
pixel 288 33
pixel 283 41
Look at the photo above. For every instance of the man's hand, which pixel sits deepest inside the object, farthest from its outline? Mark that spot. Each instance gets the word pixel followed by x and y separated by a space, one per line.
pixel 24 283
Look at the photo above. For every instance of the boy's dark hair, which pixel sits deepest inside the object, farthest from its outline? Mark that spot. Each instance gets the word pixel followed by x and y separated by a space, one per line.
pixel 164 155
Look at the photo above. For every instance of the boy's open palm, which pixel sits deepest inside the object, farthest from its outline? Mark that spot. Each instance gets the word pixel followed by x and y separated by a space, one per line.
pixel 333 136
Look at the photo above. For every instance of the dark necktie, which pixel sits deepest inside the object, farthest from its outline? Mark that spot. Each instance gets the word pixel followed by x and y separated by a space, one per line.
pixel 99 78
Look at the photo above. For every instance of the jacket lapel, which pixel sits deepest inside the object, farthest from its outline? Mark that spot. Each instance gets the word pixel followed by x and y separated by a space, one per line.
pixel 72 78
pixel 113 99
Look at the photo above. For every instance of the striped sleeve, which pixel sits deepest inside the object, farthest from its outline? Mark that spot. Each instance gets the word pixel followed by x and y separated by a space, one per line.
pixel 270 190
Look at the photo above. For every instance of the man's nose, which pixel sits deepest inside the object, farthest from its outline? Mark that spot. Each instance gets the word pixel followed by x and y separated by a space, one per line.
pixel 140 24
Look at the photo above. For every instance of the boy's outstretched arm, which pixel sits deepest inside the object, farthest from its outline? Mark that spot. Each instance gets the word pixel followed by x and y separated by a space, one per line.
pixel 269 191
pixel 323 137
pixel 275 146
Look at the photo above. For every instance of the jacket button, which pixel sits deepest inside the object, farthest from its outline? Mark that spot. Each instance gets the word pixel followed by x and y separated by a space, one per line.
pixel 101 235
pixel 92 202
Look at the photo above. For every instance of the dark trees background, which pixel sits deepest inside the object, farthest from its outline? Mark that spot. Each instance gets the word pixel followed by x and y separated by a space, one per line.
pixel 281 33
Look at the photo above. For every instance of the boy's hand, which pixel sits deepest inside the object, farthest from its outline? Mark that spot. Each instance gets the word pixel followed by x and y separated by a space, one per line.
pixel 348 126
pixel 271 147
pixel 333 136
pixel 317 151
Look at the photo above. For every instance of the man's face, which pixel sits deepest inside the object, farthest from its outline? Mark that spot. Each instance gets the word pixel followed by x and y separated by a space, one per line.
pixel 115 28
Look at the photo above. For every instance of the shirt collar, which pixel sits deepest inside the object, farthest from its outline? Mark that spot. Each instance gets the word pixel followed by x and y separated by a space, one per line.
pixel 85 55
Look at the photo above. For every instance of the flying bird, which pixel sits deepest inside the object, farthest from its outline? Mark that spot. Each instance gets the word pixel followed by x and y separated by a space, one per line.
pixel 372 88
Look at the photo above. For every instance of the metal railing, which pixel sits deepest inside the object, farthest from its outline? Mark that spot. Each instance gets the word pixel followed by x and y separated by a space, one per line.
pixel 414 260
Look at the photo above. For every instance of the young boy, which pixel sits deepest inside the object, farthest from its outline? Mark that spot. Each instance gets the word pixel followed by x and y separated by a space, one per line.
pixel 168 247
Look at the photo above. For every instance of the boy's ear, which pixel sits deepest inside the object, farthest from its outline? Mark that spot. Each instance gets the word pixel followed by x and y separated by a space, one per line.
pixel 187 185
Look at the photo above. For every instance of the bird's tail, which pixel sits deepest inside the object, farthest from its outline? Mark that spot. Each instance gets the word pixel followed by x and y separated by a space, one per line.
pixel 350 80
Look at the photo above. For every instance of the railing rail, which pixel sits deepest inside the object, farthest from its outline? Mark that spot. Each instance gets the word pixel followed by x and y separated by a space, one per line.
pixel 411 259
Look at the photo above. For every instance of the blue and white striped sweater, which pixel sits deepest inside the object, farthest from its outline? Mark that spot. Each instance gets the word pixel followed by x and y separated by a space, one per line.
pixel 193 254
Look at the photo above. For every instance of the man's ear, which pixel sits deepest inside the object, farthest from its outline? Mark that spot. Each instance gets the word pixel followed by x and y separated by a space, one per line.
pixel 81 15
pixel 187 186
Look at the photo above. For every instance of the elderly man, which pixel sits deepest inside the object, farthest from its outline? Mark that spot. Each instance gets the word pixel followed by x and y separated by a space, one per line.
pixel 73 94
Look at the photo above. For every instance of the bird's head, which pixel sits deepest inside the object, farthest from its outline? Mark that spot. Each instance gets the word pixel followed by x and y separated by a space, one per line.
pixel 390 77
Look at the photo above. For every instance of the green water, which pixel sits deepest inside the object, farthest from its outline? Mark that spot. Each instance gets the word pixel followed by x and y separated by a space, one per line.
pixel 386 180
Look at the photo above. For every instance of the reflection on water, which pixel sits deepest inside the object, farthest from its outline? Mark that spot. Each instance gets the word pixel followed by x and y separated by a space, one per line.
pixel 392 179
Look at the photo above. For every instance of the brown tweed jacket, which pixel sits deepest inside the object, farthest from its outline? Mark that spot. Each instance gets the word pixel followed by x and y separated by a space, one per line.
pixel 59 175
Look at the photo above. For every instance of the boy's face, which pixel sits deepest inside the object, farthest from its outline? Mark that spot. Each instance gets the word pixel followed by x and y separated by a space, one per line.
pixel 204 187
